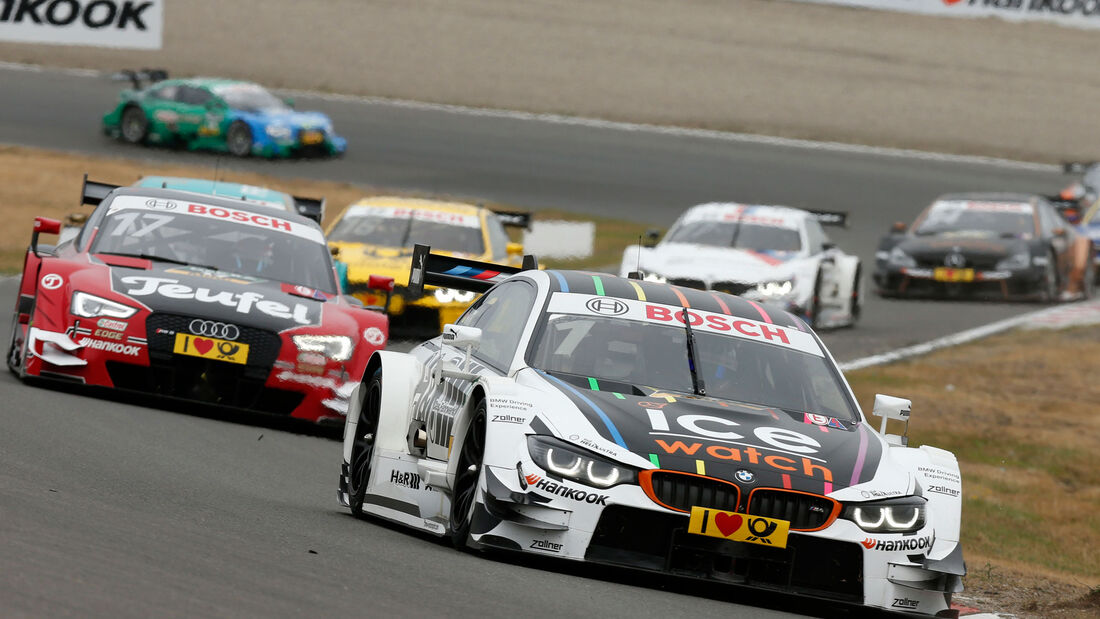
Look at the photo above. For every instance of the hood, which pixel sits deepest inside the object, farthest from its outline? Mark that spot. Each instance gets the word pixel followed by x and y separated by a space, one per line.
pixel 290 118
pixel 686 260
pixel 746 444
pixel 978 247
pixel 218 295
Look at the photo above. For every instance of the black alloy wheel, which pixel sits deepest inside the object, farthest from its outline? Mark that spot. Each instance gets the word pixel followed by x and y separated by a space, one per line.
pixel 362 449
pixel 1048 292
pixel 135 126
pixel 856 306
pixel 16 352
pixel 238 139
pixel 814 311
pixel 468 478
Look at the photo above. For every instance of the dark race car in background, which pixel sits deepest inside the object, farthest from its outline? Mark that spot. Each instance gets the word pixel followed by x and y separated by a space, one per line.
pixel 1079 204
pixel 197 297
pixel 1001 246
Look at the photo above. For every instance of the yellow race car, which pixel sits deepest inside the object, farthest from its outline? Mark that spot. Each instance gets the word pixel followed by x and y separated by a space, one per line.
pixel 375 236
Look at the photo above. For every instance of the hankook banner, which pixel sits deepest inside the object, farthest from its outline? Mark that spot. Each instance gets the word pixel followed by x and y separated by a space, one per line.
pixel 101 23
pixel 1078 13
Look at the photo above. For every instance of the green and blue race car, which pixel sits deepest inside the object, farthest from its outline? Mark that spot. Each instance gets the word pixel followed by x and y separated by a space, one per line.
pixel 237 117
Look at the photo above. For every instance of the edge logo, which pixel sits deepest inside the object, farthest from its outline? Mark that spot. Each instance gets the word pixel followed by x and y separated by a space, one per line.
pixel 896 545
pixel 545 545
pixel 580 496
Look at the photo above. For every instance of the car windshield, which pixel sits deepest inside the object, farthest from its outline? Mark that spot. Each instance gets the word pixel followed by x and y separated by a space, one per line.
pixel 736 234
pixel 644 354
pixel 239 242
pixel 386 227
pixel 249 97
pixel 957 217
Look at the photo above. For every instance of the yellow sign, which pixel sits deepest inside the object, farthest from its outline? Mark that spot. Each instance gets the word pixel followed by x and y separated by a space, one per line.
pixel 312 137
pixel 945 274
pixel 739 527
pixel 210 348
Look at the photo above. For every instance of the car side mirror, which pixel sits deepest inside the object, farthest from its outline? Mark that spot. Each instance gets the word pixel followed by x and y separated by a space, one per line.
pixel 651 237
pixel 889 407
pixel 461 337
pixel 381 282
pixel 43 225
pixel 514 249
pixel 898 227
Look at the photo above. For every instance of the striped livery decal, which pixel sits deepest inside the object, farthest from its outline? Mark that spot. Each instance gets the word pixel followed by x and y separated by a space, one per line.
pixel 472 272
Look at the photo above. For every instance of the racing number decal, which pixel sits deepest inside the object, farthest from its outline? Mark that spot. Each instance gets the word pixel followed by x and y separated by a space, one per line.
pixel 739 527
pixel 126 223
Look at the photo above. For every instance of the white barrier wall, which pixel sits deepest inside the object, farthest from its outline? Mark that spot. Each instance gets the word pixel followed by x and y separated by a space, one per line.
pixel 101 23
pixel 1077 13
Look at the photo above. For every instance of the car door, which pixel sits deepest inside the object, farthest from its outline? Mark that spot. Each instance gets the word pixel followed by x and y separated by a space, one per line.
pixel 501 314
pixel 191 106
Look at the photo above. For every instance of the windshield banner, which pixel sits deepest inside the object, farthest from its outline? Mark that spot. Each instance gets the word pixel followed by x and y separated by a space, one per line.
pixel 176 207
pixel 771 216
pixel 1076 13
pixel 400 212
pixel 137 24
pixel 658 313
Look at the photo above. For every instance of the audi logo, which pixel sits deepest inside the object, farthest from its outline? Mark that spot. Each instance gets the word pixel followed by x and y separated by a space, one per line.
pixel 209 328
pixel 606 306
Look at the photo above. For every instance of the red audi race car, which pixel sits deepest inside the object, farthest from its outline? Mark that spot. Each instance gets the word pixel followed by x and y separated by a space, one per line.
pixel 202 298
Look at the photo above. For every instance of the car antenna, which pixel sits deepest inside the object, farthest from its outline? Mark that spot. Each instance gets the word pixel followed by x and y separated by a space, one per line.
pixel 697 384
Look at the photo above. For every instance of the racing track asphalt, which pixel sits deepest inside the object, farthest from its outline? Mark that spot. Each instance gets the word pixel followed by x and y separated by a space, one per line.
pixel 116 509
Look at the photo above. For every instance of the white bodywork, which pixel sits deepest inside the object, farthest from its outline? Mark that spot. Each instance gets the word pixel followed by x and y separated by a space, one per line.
pixel 413 486
pixel 816 267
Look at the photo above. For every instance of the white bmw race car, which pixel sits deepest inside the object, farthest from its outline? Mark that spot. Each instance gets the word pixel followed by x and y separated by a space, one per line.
pixel 762 253
pixel 640 424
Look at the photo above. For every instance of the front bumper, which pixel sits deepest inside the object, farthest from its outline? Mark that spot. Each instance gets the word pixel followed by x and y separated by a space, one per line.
pixel 297 145
pixel 933 282
pixel 623 527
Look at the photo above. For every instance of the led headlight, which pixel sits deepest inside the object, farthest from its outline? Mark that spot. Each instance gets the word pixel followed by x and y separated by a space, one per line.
pixel 899 258
pixel 335 347
pixel 450 295
pixel 278 132
pixel 653 277
pixel 775 289
pixel 1019 260
pixel 894 516
pixel 90 306
pixel 576 464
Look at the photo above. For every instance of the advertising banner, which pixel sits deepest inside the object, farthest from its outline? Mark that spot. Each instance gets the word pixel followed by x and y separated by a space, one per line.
pixel 1076 13
pixel 101 23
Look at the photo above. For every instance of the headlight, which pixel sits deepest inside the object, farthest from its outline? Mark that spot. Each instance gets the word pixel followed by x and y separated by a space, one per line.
pixel 577 464
pixel 895 516
pixel 775 289
pixel 91 306
pixel 1019 260
pixel 335 347
pixel 653 277
pixel 450 295
pixel 899 258
pixel 278 132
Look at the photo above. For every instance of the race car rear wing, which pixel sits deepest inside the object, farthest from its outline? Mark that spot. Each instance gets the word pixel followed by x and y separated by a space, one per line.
pixel 831 218
pixel 150 76
pixel 310 207
pixel 515 219
pixel 1076 167
pixel 430 269
pixel 94 192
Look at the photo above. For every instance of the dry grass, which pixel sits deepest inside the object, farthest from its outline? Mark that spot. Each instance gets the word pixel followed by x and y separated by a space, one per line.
pixel 1021 412
pixel 37 182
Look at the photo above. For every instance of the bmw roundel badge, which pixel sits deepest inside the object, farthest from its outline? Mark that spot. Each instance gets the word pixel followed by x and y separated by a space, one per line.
pixel 745 476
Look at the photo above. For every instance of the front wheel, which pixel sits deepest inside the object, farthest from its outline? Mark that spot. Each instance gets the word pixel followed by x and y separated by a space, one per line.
pixel 238 140
pixel 856 307
pixel 813 313
pixel 135 126
pixel 468 478
pixel 17 350
pixel 362 449
pixel 1048 287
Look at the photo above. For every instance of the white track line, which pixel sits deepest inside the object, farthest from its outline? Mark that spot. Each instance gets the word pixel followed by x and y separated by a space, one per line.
pixel 596 123
pixel 1028 319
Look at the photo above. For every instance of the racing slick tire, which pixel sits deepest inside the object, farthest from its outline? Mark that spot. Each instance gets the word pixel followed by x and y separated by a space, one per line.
pixel 813 312
pixel 362 449
pixel 855 307
pixel 1048 286
pixel 468 479
pixel 134 126
pixel 16 355
pixel 238 139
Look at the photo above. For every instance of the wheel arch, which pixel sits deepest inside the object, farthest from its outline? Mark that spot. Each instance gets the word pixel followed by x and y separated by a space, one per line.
pixel 400 373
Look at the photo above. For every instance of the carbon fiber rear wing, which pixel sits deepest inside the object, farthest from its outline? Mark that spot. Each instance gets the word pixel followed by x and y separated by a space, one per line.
pixel 93 192
pixel 149 76
pixel 516 219
pixel 830 218
pixel 430 269
pixel 310 207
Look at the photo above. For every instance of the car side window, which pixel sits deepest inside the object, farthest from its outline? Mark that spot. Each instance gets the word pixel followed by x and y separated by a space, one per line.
pixel 501 315
pixel 166 93
pixel 193 96
pixel 498 238
pixel 815 237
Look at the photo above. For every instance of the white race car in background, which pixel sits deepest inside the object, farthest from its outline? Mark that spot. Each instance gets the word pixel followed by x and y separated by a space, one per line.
pixel 632 423
pixel 762 253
